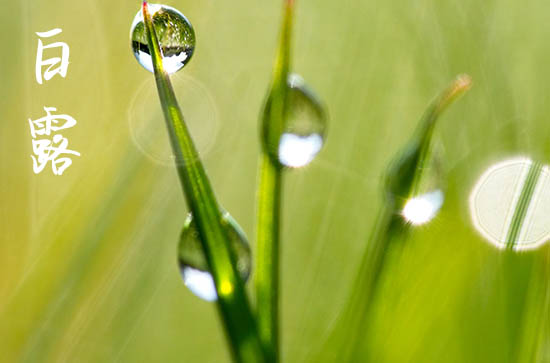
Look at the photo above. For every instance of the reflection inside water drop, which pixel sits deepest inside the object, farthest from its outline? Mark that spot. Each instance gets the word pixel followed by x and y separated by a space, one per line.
pixel 296 151
pixel 423 208
pixel 510 204
pixel 200 283
pixel 175 35
pixel 194 267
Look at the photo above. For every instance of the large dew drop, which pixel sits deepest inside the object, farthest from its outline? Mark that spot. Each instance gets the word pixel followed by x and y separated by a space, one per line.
pixel 175 35
pixel 510 204
pixel 192 262
pixel 303 133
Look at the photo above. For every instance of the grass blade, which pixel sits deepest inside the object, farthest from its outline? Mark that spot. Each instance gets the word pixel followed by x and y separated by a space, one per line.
pixel 269 196
pixel 267 252
pixel 518 218
pixel 402 180
pixel 404 174
pixel 233 304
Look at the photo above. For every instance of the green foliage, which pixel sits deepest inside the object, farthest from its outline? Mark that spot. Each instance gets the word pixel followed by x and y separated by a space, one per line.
pixel 89 259
pixel 406 171
pixel 269 195
pixel 233 303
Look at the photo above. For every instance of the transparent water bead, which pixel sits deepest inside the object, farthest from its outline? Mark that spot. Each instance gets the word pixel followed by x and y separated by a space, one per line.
pixel 428 192
pixel 303 133
pixel 175 35
pixel 510 204
pixel 296 150
pixel 192 262
pixel 423 208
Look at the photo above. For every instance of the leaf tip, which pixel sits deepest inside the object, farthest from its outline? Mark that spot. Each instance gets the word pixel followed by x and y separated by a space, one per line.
pixel 457 88
pixel 463 83
pixel 145 9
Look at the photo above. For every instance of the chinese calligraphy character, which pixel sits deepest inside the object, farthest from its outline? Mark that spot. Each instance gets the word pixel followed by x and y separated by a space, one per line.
pixel 51 150
pixel 47 124
pixel 54 150
pixel 47 150
pixel 63 61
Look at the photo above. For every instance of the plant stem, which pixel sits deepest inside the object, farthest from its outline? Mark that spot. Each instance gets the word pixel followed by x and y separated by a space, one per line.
pixel 267 252
pixel 269 196
pixel 239 322
pixel 390 226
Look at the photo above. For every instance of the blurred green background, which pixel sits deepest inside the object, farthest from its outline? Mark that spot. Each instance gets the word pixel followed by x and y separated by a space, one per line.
pixel 88 259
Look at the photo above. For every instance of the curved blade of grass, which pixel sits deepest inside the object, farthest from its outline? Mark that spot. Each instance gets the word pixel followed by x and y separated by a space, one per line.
pixel 233 304
pixel 269 197
pixel 402 179
pixel 405 172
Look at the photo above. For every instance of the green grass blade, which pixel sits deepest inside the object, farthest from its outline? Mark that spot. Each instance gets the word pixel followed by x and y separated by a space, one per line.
pixel 267 252
pixel 523 203
pixel 274 116
pixel 346 341
pixel 269 196
pixel 233 304
pixel 405 171
pixel 528 312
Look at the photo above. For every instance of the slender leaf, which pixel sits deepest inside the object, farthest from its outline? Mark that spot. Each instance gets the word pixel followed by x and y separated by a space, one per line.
pixel 402 179
pixel 525 198
pixel 269 195
pixel 233 304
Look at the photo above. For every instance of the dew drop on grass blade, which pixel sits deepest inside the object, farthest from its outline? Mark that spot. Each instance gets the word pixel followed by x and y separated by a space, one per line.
pixel 175 34
pixel 192 262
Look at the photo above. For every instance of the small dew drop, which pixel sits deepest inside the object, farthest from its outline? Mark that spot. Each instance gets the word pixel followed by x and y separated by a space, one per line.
pixel 193 266
pixel 303 133
pixel 423 208
pixel 175 34
pixel 427 192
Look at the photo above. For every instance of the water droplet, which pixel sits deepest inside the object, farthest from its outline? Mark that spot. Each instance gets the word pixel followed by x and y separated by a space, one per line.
pixel 296 150
pixel 303 133
pixel 427 192
pixel 175 35
pixel 423 208
pixel 192 262
pixel 510 204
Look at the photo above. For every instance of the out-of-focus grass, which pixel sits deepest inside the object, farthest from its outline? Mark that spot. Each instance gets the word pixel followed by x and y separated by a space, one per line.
pixel 85 275
pixel 403 179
